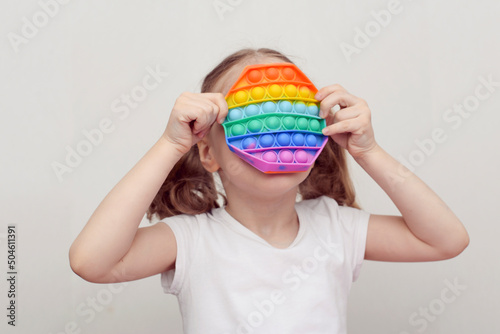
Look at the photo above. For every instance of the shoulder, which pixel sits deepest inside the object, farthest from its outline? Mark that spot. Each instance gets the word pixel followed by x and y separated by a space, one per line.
pixel 186 219
pixel 322 206
pixel 328 207
pixel 320 203
pixel 186 225
pixel 191 224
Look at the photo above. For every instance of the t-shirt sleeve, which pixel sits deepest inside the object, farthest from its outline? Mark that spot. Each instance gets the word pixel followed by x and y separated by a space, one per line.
pixel 186 230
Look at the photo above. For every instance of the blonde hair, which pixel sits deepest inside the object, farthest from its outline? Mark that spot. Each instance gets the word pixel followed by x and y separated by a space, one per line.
pixel 190 189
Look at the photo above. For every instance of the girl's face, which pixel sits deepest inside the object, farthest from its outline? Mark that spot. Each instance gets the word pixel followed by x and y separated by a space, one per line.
pixel 234 172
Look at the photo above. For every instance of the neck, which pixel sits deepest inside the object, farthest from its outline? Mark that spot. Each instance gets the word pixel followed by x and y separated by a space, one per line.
pixel 274 219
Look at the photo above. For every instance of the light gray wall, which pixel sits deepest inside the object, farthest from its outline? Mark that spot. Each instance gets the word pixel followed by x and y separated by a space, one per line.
pixel 64 77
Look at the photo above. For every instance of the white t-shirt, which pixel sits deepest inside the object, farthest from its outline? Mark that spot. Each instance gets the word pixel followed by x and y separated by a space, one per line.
pixel 228 280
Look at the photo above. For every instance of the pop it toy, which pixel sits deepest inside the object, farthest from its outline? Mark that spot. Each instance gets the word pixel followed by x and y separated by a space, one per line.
pixel 273 121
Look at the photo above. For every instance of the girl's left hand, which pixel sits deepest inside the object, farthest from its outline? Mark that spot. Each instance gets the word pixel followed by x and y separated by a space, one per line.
pixel 351 126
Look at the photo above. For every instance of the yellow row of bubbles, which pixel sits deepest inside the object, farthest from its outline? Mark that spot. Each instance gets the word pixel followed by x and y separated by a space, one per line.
pixel 270 92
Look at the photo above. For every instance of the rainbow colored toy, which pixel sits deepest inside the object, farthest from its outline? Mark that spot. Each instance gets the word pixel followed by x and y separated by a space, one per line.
pixel 273 121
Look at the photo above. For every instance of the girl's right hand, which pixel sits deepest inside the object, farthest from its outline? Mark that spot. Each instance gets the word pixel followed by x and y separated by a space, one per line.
pixel 192 117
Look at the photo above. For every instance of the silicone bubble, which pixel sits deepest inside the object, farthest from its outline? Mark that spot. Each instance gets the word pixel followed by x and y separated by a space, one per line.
pixel 304 91
pixel 254 76
pixel 312 109
pixel 269 107
pixel 266 140
pixel 303 123
pixel 251 110
pixel 273 123
pixel 299 107
pixel 249 143
pixel 283 139
pixel 272 73
pixel 241 97
pixel 315 125
pixel 288 122
pixel 299 139
pixel 238 130
pixel 285 106
pixel 273 120
pixel 258 93
pixel 301 156
pixel 311 140
pixel 288 73
pixel 291 90
pixel 270 156
pixel 275 91
pixel 235 114
pixel 286 156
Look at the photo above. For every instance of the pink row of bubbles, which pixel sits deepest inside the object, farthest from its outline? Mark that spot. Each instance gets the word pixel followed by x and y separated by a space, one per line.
pixel 285 156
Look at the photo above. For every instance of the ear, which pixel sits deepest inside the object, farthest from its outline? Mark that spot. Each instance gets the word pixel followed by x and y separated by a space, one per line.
pixel 207 157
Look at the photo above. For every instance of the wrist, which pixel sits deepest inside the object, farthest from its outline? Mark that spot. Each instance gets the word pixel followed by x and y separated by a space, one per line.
pixel 173 149
pixel 368 155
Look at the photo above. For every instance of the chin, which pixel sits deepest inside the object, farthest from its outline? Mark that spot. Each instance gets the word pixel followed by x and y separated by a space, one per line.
pixel 244 176
pixel 276 183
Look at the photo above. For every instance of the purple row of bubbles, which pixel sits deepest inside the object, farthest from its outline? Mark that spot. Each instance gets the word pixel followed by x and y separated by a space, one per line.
pixel 282 139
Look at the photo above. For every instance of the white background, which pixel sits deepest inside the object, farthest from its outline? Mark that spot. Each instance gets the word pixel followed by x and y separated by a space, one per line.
pixel 63 79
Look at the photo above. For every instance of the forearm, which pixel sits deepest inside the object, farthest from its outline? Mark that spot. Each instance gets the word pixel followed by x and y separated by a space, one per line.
pixel 109 233
pixel 425 214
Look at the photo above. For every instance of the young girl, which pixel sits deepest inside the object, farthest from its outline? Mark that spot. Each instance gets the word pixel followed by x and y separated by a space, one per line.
pixel 262 263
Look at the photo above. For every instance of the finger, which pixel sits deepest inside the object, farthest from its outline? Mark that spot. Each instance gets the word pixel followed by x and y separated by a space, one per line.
pixel 202 134
pixel 325 91
pixel 343 114
pixel 343 99
pixel 195 109
pixel 199 114
pixel 350 125
pixel 220 101
pixel 206 117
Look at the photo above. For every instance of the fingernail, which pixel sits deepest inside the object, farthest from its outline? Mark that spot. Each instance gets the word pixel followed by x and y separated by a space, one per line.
pixel 317 96
pixel 325 131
